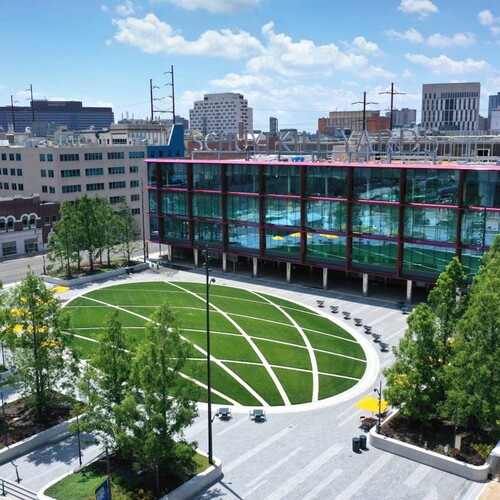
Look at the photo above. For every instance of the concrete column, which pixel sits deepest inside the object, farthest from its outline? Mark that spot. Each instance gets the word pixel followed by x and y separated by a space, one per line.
pixel 365 285
pixel 255 262
pixel 288 272
pixel 409 289
pixel 325 278
pixel 169 253
pixel 224 262
pixel 196 254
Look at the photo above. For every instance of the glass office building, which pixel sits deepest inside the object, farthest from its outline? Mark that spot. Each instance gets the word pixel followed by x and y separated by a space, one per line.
pixel 401 221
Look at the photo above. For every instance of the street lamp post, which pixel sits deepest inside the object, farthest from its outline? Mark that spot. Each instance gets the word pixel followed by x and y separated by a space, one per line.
pixel 12 111
pixel 208 282
pixel 379 392
pixel 79 442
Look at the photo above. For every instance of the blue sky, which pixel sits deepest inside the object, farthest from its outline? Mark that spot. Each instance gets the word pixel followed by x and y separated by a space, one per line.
pixel 292 59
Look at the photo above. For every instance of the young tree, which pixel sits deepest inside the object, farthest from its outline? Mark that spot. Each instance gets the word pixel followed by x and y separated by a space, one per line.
pixel 159 404
pixel 105 381
pixel 35 333
pixel 128 231
pixel 473 375
pixel 417 381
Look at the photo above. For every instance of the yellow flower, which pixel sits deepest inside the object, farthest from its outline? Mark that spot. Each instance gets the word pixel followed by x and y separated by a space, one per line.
pixel 49 343
pixel 18 328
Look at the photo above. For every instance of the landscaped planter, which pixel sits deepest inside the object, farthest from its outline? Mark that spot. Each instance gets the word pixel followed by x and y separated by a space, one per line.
pixel 54 434
pixel 198 483
pixel 96 277
pixel 430 458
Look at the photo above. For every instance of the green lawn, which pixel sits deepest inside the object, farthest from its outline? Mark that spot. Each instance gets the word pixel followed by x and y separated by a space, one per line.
pixel 235 315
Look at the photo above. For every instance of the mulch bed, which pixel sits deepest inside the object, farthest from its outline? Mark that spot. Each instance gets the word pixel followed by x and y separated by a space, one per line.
pixel 19 422
pixel 436 435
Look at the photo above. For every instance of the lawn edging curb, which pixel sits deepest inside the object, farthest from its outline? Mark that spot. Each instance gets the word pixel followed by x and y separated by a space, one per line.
pixel 96 277
pixel 430 458
pixel 52 435
pixel 198 483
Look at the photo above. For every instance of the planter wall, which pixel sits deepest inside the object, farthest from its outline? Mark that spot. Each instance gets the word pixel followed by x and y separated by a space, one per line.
pixel 198 483
pixel 96 277
pixel 430 458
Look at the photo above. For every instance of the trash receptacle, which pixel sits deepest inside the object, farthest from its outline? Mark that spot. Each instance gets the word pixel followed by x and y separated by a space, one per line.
pixel 362 441
pixel 355 444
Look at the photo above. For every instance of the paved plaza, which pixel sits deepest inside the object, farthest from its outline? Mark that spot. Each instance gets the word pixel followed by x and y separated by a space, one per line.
pixel 294 454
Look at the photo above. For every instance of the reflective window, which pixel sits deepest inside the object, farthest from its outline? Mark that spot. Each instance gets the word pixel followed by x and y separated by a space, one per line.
pixel 369 253
pixel 471 260
pixel 243 208
pixel 282 211
pixel 208 233
pixel 152 201
pixel 432 224
pixel 283 243
pixel 482 189
pixel 327 215
pixel 153 228
pixel 432 186
pixel 479 227
pixel 207 205
pixel 376 184
pixel 329 182
pixel 206 176
pixel 282 179
pixel 175 230
pixel 427 260
pixel 151 174
pixel 245 238
pixel 323 247
pixel 242 178
pixel 173 175
pixel 381 220
pixel 174 202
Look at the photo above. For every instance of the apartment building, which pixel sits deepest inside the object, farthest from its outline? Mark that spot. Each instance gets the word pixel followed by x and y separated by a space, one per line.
pixel 451 107
pixel 224 112
pixel 404 117
pixel 493 106
pixel 354 121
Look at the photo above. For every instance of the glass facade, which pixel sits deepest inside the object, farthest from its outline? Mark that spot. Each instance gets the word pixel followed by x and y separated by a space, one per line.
pixel 402 222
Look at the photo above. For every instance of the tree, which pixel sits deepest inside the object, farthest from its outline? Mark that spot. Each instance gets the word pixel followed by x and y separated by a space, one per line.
pixel 35 334
pixel 128 231
pixel 159 403
pixel 105 381
pixel 473 374
pixel 417 381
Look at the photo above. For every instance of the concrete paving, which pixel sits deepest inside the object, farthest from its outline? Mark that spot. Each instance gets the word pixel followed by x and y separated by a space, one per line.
pixel 293 455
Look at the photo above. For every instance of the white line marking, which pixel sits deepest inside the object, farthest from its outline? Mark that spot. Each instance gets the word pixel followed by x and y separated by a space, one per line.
pixel 314 493
pixel 418 474
pixel 228 428
pixel 249 454
pixel 304 473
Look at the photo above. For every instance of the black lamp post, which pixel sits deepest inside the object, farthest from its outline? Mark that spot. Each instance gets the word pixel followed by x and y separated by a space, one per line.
pixel 44 268
pixel 379 392
pixel 208 282
pixel 79 442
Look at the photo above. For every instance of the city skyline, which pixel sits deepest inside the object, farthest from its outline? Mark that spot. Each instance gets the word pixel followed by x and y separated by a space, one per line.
pixel 293 62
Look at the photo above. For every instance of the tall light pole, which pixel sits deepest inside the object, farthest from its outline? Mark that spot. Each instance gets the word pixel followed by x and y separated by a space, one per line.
pixel 171 72
pixel 13 115
pixel 208 282
pixel 30 90
pixel 379 392
pixel 392 92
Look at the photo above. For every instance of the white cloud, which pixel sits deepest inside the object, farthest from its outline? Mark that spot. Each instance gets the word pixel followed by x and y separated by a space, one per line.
pixel 443 65
pixel 363 46
pixel 153 36
pixel 217 6
pixel 125 9
pixel 456 40
pixel 108 42
pixel 495 30
pixel 235 81
pixel 421 7
pixel 410 35
pixel 104 8
pixel 407 73
pixel 486 18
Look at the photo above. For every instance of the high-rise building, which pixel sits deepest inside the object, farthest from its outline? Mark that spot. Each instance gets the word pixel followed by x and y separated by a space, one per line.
pixel 493 104
pixel 369 120
pixel 404 117
pixel 70 114
pixel 451 107
pixel 219 113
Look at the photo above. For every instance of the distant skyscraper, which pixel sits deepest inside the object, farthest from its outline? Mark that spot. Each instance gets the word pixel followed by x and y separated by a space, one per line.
pixel 221 113
pixel 451 107
pixel 404 117
pixel 493 103
pixel 273 126
pixel 70 114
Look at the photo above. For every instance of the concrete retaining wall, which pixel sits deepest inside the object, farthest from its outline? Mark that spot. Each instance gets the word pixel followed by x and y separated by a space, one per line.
pixel 430 458
pixel 52 435
pixel 96 277
pixel 198 483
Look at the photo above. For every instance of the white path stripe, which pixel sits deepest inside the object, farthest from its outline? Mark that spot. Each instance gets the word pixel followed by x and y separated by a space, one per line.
pixel 198 348
pixel 382 318
pixel 363 478
pixel 310 350
pixel 230 427
pixel 315 492
pixel 262 358
pixel 300 476
pixel 255 482
pixel 417 476
pixel 257 449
